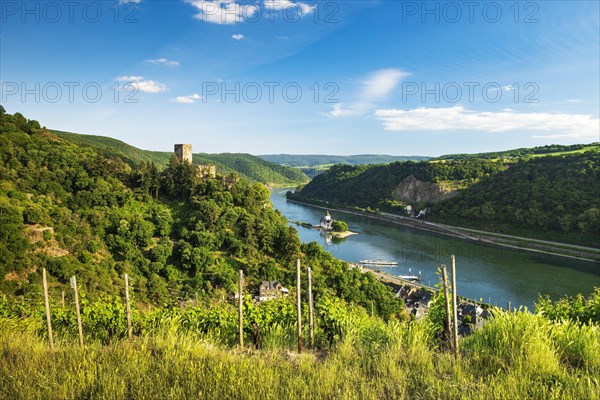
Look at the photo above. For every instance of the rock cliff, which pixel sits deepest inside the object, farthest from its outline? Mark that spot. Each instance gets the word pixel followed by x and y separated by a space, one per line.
pixel 412 190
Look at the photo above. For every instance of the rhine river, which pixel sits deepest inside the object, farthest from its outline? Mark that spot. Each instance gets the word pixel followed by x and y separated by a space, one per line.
pixel 493 274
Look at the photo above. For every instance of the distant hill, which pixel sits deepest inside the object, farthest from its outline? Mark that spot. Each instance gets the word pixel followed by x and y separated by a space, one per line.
pixel 245 165
pixel 311 160
pixel 315 164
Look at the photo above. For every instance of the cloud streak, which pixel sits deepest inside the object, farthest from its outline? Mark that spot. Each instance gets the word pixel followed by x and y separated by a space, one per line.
pixel 164 61
pixel 558 125
pixel 375 88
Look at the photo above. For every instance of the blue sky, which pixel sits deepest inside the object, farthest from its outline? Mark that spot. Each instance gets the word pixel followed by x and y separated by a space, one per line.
pixel 283 76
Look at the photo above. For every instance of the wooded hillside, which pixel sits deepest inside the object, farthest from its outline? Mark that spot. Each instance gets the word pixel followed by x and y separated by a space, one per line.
pixel 74 211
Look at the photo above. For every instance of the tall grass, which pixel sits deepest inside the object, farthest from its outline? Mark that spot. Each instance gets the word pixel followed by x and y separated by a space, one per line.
pixel 514 356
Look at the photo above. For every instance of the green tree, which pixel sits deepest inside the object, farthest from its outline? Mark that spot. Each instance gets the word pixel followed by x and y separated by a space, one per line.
pixel 339 226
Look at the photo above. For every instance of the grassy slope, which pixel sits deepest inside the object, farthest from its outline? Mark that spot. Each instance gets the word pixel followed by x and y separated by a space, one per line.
pixel 553 150
pixel 593 147
pixel 252 167
pixel 514 356
pixel 246 165
pixel 115 147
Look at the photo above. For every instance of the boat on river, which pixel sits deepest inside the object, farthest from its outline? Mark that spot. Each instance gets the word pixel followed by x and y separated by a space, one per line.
pixel 410 278
pixel 381 263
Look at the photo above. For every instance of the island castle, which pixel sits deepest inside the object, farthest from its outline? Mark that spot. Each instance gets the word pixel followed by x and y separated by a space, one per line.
pixel 184 154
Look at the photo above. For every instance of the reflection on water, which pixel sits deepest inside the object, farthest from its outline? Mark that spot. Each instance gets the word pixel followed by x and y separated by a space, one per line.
pixel 494 274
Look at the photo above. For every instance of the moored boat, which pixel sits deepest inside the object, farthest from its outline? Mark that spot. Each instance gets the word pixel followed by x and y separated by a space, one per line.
pixel 410 278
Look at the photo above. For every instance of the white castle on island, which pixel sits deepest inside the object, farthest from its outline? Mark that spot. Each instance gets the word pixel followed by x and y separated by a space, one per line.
pixel 326 222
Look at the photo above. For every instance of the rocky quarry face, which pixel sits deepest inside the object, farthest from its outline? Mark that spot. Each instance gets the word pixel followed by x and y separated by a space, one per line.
pixel 412 190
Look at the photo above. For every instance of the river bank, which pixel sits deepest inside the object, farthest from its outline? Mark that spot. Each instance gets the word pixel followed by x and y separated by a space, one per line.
pixel 418 297
pixel 513 242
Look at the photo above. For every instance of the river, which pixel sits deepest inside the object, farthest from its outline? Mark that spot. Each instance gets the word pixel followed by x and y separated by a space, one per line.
pixel 493 274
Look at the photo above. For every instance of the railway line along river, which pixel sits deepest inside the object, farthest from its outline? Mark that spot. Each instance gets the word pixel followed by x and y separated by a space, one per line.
pixel 493 274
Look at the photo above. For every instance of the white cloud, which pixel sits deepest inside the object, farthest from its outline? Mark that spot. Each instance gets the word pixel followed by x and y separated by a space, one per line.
pixel 559 125
pixel 142 85
pixel 223 11
pixel 375 88
pixel 228 12
pixel 164 61
pixel 304 8
pixel 237 36
pixel 129 1
pixel 191 99
pixel 573 101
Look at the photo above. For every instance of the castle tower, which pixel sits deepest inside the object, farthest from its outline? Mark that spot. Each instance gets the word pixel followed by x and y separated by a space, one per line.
pixel 184 152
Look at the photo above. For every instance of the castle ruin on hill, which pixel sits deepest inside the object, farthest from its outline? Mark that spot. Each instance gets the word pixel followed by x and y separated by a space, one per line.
pixel 184 154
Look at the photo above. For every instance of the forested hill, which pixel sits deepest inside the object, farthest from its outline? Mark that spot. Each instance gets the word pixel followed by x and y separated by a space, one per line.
pixel 76 211
pixel 373 186
pixel 558 193
pixel 245 165
pixel 554 193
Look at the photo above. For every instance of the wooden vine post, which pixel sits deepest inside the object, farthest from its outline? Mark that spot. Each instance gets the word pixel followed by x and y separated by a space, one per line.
pixel 79 326
pixel 446 302
pixel 454 305
pixel 311 322
pixel 241 308
pixel 128 307
pixel 298 306
pixel 47 303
